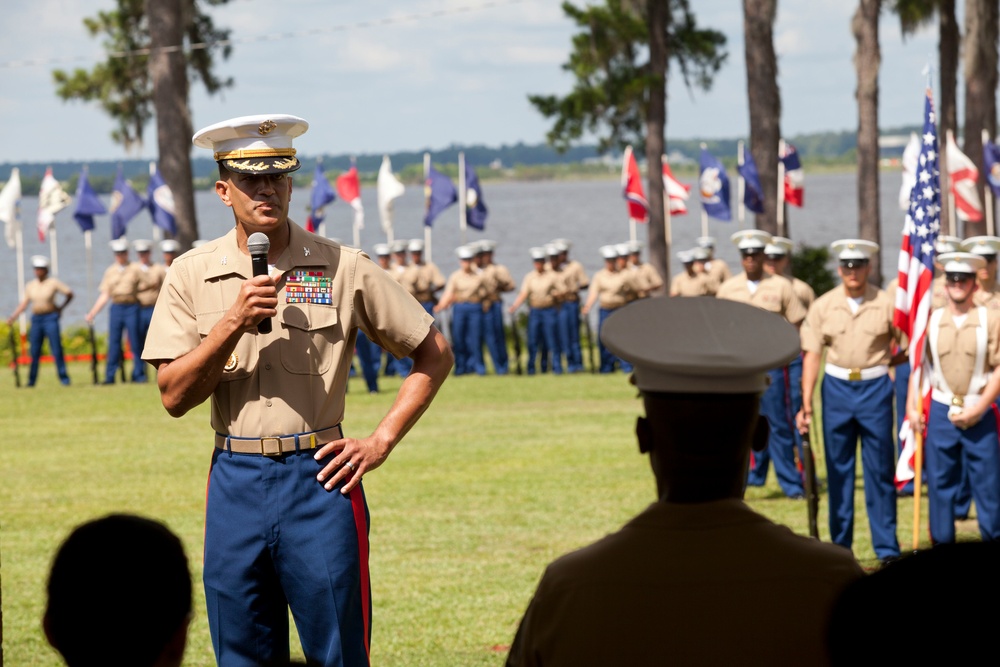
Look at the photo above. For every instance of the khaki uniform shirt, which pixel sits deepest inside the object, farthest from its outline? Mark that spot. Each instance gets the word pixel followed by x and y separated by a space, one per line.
pixel 293 379
pixel 498 280
pixel 986 295
pixel 805 293
pixel 853 340
pixel 150 280
pixel 673 587
pixel 718 273
pixel 465 287
pixel 576 279
pixel 647 279
pixel 542 289
pixel 42 294
pixel 121 283
pixel 773 294
pixel 684 284
pixel 422 281
pixel 957 349
pixel 614 289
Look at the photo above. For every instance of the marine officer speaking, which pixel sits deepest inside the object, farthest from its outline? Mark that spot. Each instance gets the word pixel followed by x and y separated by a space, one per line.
pixel 286 517
pixel 853 323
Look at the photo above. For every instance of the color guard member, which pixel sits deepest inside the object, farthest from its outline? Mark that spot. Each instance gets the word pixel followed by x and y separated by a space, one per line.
pixel 717 269
pixel 498 281
pixel 465 292
pixel 120 286
pixel 541 288
pixel 963 347
pixel 692 281
pixel 852 323
pixel 576 281
pixel 150 280
pixel 610 288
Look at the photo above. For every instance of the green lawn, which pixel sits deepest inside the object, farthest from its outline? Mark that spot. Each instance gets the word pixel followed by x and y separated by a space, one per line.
pixel 500 476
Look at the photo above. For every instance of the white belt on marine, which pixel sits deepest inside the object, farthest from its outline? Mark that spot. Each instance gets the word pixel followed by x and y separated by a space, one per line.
pixel 855 374
pixel 952 400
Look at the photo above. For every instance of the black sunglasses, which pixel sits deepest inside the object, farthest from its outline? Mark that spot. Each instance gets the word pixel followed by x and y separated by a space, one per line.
pixel 955 277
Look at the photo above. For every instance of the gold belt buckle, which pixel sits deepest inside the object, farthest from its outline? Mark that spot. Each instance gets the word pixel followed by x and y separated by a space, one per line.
pixel 958 401
pixel 854 374
pixel 270 446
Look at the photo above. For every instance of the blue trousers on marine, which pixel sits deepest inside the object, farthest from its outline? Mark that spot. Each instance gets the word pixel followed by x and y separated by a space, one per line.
pixel 542 326
pixel 466 331
pixel 145 317
pixel 496 341
pixel 952 451
pixel 853 409
pixel 608 359
pixel 124 318
pixel 368 355
pixel 570 317
pixel 45 326
pixel 276 539
pixel 776 405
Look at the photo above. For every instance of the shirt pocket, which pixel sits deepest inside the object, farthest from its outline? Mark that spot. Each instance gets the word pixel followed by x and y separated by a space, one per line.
pixel 242 360
pixel 832 328
pixel 311 331
pixel 875 324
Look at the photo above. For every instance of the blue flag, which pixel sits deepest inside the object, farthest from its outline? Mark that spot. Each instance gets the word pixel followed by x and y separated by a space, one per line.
pixel 322 194
pixel 475 208
pixel 753 194
pixel 125 205
pixel 991 165
pixel 440 193
pixel 161 203
pixel 88 204
pixel 713 185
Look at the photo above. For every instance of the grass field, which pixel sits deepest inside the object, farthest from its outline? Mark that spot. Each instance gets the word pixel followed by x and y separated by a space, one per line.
pixel 500 476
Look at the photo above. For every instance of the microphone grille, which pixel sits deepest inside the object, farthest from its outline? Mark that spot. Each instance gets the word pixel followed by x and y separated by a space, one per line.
pixel 258 243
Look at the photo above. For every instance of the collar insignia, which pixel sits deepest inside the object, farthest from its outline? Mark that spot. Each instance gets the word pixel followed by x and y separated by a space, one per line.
pixel 305 250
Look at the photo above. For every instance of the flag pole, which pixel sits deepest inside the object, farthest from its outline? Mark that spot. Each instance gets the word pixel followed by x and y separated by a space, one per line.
pixel 462 217
pixel 427 229
pixel 988 194
pixel 740 185
pixel 354 217
pixel 951 195
pixel 918 467
pixel 781 189
pixel 23 319
pixel 667 230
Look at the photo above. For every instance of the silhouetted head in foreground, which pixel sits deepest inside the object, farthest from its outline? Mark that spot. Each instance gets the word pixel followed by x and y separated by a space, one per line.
pixel 119 594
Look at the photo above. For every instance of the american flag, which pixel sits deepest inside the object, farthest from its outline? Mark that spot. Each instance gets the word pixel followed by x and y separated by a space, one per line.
pixel 916 266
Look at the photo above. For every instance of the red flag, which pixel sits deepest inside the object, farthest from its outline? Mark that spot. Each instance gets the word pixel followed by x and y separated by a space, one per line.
pixel 632 190
pixel 964 176
pixel 676 191
pixel 349 189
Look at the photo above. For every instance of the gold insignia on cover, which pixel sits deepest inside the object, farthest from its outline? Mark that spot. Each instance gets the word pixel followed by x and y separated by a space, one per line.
pixel 286 164
pixel 232 362
pixel 247 165
pixel 266 127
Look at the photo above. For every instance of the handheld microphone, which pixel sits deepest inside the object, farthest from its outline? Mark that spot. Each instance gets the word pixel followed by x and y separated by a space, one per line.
pixel 258 244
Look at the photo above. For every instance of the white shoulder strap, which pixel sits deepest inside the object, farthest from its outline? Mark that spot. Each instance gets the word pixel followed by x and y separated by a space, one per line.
pixel 979 375
pixel 937 380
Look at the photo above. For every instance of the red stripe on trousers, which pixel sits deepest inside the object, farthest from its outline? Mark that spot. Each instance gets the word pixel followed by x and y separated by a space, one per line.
pixel 361 523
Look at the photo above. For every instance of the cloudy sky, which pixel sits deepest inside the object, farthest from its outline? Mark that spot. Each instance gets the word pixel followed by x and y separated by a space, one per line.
pixel 388 75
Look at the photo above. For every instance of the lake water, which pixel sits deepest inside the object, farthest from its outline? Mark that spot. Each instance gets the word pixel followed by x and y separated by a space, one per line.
pixel 521 215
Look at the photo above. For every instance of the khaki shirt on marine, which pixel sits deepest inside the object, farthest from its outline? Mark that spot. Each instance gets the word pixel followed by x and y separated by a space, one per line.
pixel 542 289
pixel 576 279
pixel 684 284
pixel 614 289
pixel 647 278
pixel 498 280
pixel 805 293
pixel 852 340
pixel 773 294
pixel 422 281
pixel 465 287
pixel 986 295
pixel 121 283
pixel 718 273
pixel 150 280
pixel 957 348
pixel 42 294
pixel 292 380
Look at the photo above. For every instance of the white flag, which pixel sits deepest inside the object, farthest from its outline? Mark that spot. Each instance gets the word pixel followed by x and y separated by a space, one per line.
pixel 51 199
pixel 911 154
pixel 10 198
pixel 389 188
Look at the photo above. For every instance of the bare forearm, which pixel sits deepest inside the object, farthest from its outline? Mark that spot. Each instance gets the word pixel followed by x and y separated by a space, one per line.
pixel 432 362
pixel 189 380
